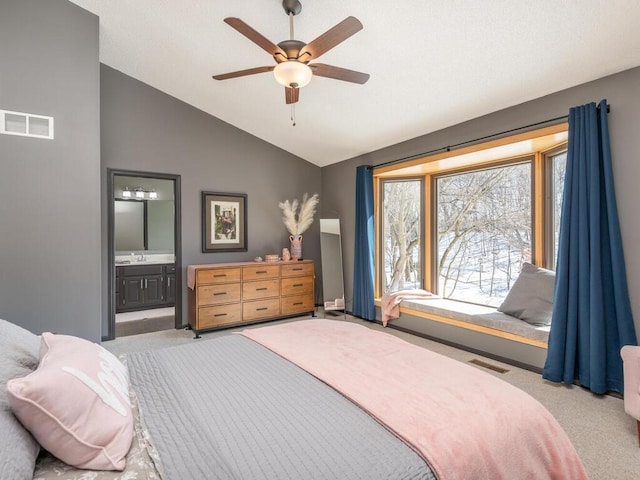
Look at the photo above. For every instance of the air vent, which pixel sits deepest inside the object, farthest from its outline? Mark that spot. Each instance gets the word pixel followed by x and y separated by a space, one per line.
pixel 490 366
pixel 26 124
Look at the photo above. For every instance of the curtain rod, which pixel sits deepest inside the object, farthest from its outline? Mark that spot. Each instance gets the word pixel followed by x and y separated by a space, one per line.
pixel 467 142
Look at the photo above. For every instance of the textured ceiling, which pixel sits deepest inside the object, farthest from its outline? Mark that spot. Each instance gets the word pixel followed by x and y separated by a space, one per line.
pixel 433 63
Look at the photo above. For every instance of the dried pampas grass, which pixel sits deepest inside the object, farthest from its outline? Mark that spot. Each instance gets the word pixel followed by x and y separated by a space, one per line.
pixel 295 222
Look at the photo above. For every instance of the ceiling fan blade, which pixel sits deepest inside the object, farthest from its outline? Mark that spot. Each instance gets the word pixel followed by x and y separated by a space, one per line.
pixel 331 38
pixel 257 38
pixel 291 95
pixel 243 73
pixel 338 73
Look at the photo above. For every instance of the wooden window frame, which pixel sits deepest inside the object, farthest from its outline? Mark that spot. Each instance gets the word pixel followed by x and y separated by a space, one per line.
pixel 543 143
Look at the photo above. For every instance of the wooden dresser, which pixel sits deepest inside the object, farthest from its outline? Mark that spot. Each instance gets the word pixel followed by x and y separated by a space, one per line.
pixel 227 294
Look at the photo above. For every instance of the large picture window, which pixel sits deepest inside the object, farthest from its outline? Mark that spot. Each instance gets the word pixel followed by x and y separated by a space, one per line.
pixel 484 231
pixel 462 223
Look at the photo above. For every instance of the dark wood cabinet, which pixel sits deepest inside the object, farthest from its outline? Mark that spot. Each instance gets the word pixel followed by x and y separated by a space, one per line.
pixel 144 286
pixel 170 283
pixel 132 291
pixel 153 290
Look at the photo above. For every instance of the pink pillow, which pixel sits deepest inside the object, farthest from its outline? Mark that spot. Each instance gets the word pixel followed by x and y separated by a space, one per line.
pixel 76 404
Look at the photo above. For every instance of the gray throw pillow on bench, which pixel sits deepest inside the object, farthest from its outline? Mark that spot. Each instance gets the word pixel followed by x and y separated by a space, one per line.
pixel 531 297
pixel 19 356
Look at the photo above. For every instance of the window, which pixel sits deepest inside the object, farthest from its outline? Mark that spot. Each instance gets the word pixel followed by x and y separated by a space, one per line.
pixel 484 231
pixel 461 223
pixel 402 226
pixel 557 164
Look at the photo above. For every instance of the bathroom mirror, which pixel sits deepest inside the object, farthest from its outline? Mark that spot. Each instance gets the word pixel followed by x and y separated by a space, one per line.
pixel 147 224
pixel 332 276
pixel 130 225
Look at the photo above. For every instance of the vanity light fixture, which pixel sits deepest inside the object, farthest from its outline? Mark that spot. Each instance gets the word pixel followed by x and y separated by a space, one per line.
pixel 139 193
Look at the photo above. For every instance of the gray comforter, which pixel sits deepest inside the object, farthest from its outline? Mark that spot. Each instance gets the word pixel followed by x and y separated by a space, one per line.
pixel 230 409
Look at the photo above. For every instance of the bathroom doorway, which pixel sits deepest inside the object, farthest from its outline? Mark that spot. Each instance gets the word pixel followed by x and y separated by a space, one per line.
pixel 144 252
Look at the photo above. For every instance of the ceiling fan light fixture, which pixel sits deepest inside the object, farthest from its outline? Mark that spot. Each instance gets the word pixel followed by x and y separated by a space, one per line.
pixel 292 74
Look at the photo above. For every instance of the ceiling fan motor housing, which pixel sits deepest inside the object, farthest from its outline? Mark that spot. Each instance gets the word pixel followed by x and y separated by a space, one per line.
pixel 292 49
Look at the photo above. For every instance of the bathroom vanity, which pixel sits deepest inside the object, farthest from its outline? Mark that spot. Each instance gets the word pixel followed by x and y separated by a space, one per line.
pixel 141 285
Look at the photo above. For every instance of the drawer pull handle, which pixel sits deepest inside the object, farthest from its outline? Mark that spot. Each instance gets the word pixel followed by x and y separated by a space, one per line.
pixel 263 308
pixel 261 271
pixel 297 303
pixel 219 293
pixel 220 315
pixel 298 284
pixel 258 289
pixel 296 269
pixel 220 275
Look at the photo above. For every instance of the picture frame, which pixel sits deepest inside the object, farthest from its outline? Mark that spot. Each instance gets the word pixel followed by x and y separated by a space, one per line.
pixel 224 222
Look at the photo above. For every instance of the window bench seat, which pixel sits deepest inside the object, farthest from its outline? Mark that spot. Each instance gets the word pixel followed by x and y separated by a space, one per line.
pixel 477 317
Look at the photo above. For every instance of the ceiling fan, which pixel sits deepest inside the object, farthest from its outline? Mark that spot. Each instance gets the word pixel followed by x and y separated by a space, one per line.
pixel 292 69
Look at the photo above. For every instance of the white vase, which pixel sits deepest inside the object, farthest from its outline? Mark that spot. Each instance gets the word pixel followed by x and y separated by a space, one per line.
pixel 296 247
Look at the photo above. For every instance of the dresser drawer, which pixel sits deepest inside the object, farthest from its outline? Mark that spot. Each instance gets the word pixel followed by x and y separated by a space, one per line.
pixel 260 309
pixel 297 304
pixel 260 289
pixel 219 315
pixel 259 272
pixel 296 285
pixel 216 294
pixel 297 269
pixel 218 275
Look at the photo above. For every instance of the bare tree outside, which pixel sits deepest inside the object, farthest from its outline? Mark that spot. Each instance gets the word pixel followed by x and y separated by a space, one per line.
pixel 559 163
pixel 401 234
pixel 483 219
pixel 484 232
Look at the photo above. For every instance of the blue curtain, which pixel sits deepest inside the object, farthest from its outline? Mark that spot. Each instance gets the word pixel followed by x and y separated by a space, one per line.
pixel 592 316
pixel 363 267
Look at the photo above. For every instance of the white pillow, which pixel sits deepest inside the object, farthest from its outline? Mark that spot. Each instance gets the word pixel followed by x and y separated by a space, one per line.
pixel 76 404
pixel 531 297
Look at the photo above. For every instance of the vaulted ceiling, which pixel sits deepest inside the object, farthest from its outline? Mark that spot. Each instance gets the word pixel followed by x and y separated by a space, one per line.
pixel 433 63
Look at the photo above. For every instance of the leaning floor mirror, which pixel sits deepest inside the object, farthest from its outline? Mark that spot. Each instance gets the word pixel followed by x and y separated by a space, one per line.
pixel 332 277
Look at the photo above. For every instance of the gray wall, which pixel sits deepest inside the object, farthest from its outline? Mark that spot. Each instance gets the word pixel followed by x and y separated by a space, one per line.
pixel 623 94
pixel 49 189
pixel 146 130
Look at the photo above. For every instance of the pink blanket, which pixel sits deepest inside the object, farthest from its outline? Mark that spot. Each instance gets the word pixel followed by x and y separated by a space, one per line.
pixel 390 302
pixel 464 422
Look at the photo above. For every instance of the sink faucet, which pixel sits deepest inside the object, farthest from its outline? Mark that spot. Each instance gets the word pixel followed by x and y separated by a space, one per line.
pixel 141 258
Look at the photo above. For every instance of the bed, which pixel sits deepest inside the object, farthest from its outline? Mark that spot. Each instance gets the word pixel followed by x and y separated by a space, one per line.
pixel 312 399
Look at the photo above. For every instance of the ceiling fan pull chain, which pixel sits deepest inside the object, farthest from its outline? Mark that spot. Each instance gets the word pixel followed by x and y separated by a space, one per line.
pixel 293 114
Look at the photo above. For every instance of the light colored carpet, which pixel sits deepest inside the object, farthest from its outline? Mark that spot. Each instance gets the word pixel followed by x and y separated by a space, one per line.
pixel 604 436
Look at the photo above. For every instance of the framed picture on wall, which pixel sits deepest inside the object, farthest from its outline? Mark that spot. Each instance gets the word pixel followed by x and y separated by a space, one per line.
pixel 224 222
